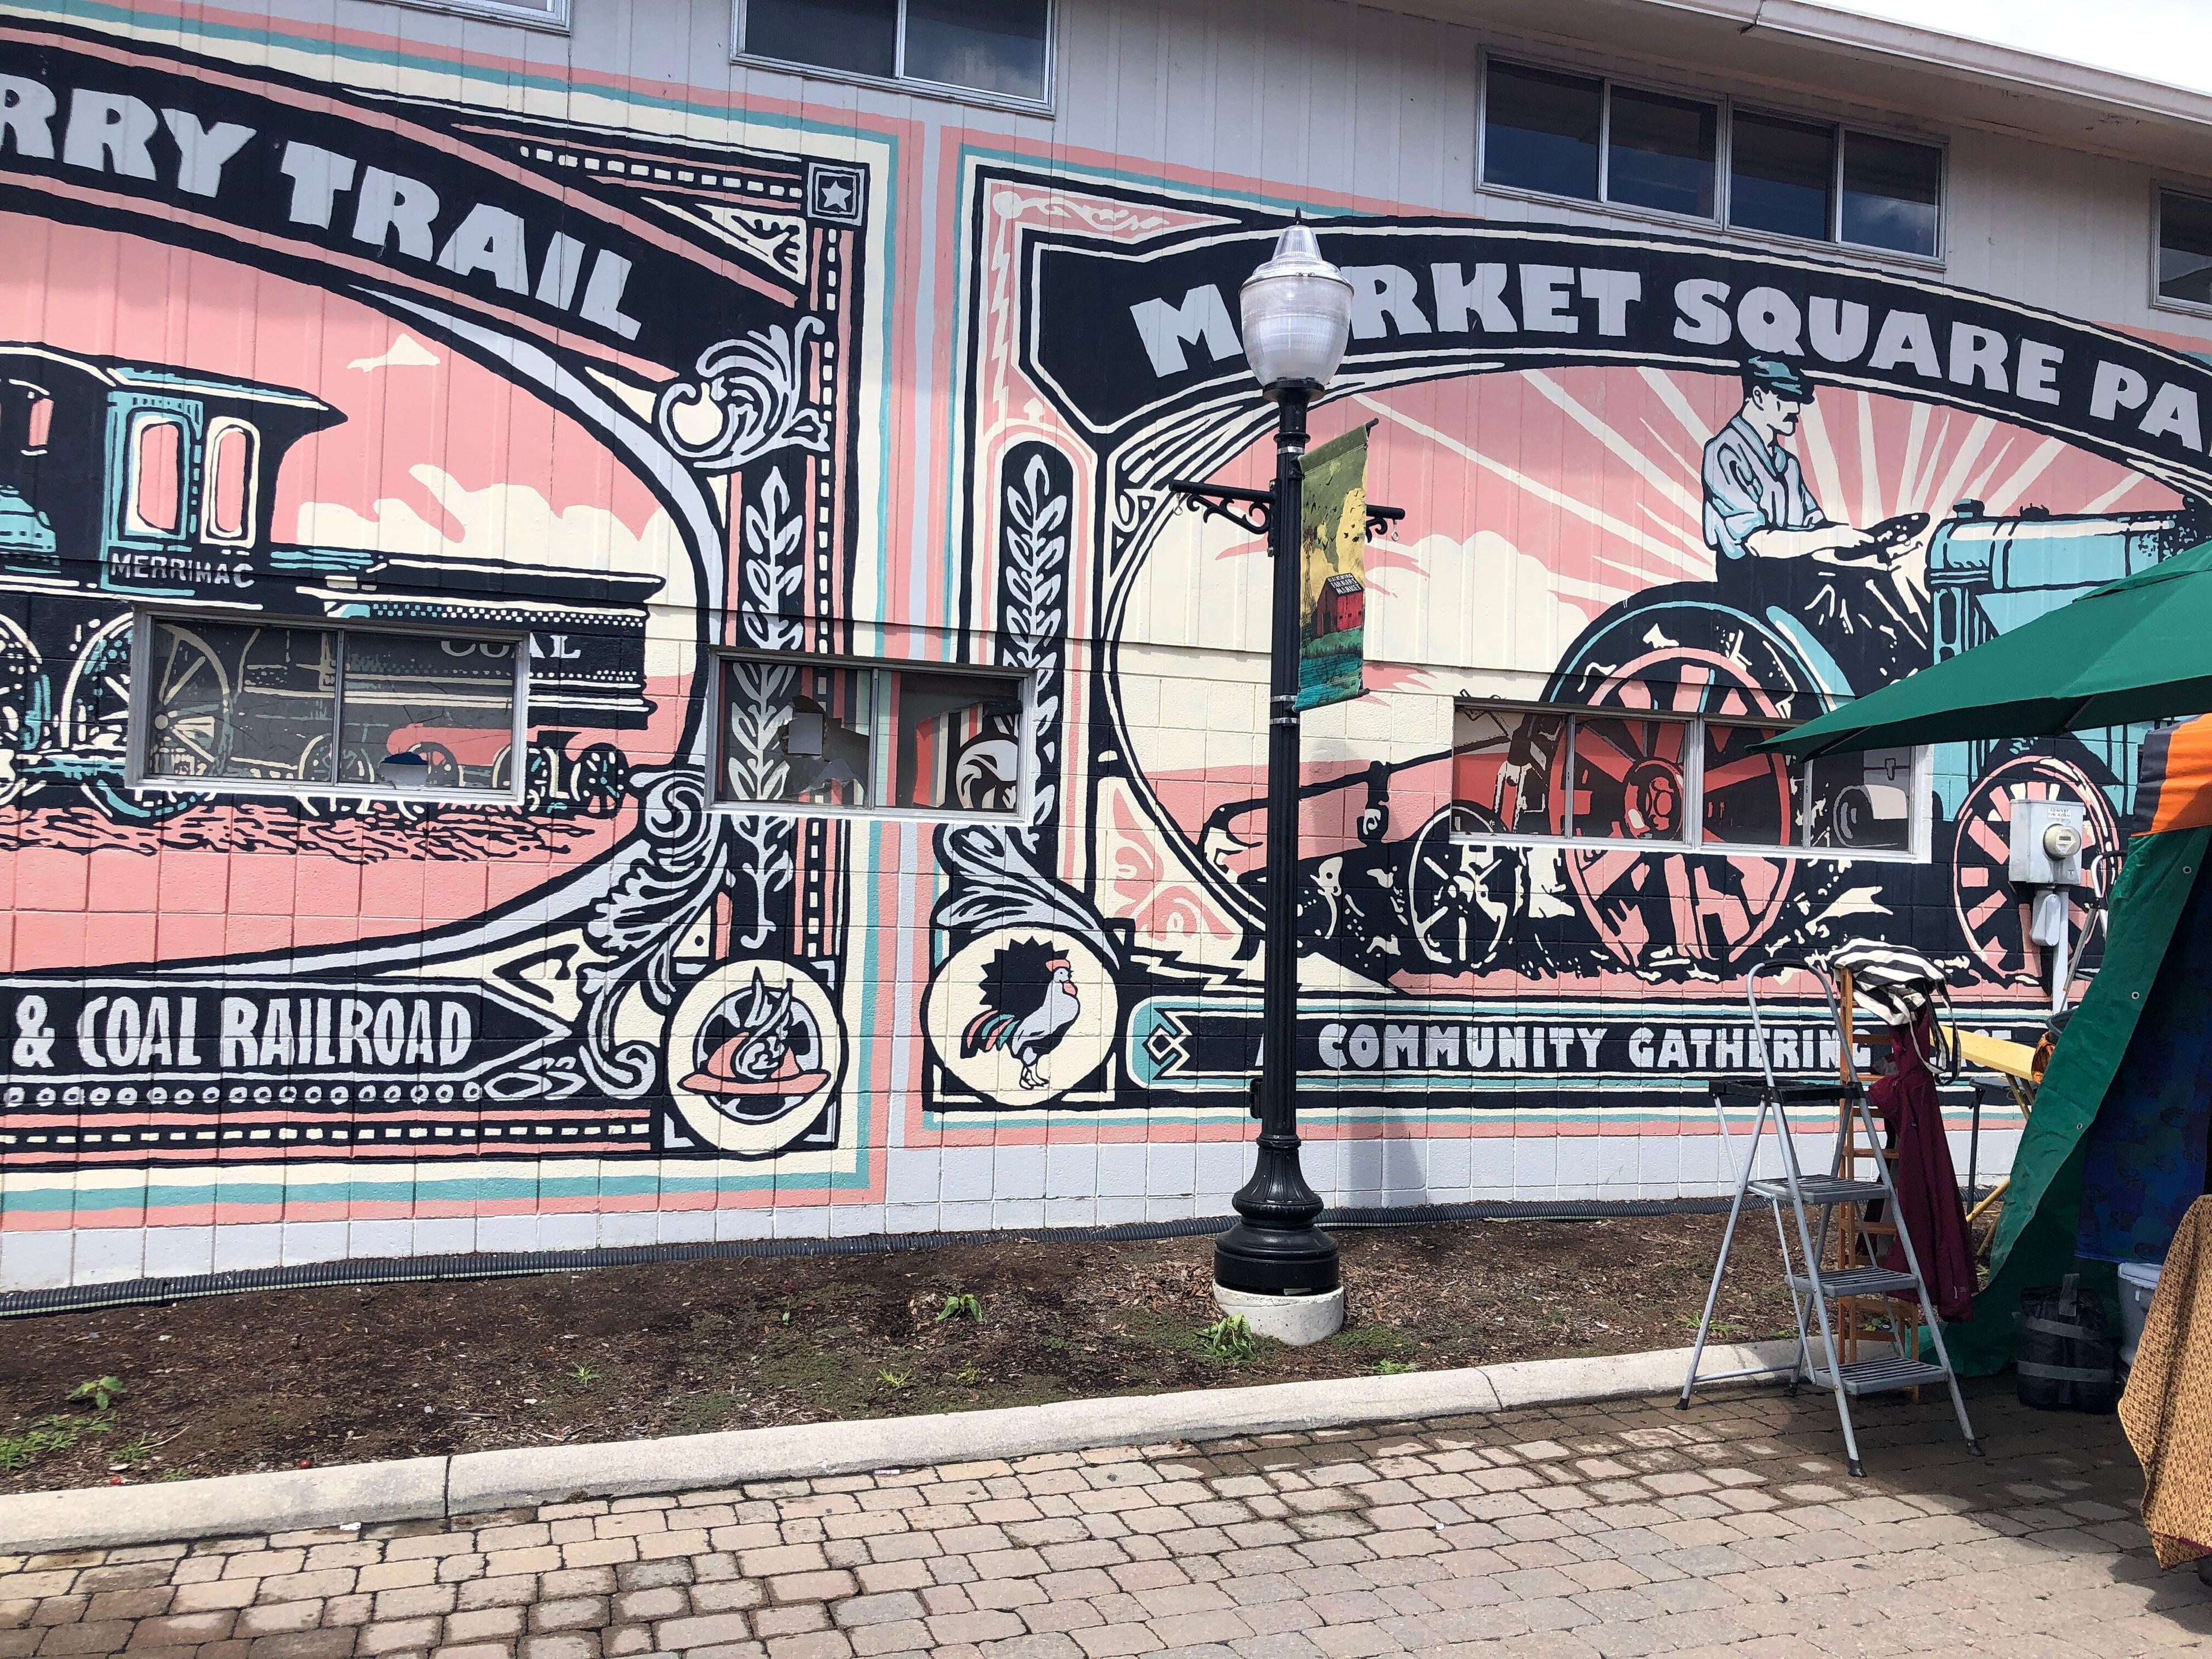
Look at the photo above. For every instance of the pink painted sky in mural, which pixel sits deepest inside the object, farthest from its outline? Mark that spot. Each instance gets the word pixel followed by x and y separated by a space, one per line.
pixel 436 452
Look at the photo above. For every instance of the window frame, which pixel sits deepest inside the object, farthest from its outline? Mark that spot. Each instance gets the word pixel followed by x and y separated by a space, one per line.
pixel 898 81
pixel 1693 841
pixel 552 21
pixel 1721 217
pixel 2160 188
pixel 1024 785
pixel 137 775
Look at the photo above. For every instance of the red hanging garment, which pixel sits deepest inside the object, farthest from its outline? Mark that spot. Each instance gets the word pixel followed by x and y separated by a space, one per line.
pixel 1927 1184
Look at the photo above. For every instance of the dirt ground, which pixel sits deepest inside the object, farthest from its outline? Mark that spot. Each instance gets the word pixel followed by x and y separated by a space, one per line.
pixel 287 1378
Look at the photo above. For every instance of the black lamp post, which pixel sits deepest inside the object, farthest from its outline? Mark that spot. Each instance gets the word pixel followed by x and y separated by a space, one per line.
pixel 1297 319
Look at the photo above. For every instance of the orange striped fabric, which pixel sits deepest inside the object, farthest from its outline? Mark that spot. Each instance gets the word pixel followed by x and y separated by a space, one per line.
pixel 2174 791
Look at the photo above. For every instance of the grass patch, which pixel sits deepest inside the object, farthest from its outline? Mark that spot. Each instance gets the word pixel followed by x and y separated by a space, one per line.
pixel 1369 1336
pixel 43 1434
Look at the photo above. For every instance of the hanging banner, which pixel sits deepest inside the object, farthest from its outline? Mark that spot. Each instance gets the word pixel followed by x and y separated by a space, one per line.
pixel 1332 571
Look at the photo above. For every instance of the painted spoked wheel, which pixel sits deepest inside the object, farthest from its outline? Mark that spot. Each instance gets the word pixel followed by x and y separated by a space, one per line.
pixel 19 738
pixel 1465 895
pixel 601 781
pixel 190 737
pixel 442 771
pixel 1652 907
pixel 1991 914
pixel 354 767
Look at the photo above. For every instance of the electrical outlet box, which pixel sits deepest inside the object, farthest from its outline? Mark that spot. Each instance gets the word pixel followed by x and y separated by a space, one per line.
pixel 2046 843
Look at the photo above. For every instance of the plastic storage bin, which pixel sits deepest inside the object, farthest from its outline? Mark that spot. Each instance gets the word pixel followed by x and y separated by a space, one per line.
pixel 2138 1284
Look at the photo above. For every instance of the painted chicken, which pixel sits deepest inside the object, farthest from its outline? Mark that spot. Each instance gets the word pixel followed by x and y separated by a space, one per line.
pixel 1029 1006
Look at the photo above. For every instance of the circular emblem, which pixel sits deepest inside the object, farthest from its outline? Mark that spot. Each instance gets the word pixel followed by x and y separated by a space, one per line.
pixel 753 1050
pixel 1021 1015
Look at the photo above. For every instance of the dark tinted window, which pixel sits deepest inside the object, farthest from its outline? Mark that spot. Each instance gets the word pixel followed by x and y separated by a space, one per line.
pixel 1780 176
pixel 861 36
pixel 1660 153
pixel 1890 192
pixel 1540 131
pixel 2185 248
pixel 991 45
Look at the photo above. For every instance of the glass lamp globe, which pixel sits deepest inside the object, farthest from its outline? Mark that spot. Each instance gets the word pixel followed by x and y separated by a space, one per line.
pixel 1298 316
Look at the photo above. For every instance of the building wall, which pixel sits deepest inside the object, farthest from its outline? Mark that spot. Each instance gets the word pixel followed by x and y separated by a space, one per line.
pixel 835 398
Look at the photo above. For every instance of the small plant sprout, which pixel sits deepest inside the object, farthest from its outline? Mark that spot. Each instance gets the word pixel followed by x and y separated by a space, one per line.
pixel 583 1374
pixel 102 1391
pixel 968 1375
pixel 894 1379
pixel 962 1305
pixel 1229 1340
pixel 1395 1367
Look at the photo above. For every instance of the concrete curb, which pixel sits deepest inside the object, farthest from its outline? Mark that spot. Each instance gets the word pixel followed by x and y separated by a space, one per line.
pixel 474 1482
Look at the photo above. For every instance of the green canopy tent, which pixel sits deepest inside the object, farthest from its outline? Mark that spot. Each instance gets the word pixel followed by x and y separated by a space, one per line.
pixel 2131 650
pixel 2134 650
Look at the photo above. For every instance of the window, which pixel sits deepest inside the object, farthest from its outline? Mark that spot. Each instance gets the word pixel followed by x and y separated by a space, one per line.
pixel 997 47
pixel 1595 140
pixel 1660 151
pixel 1567 135
pixel 1890 193
pixel 305 710
pixel 157 476
pixel 227 512
pixel 530 14
pixel 1780 174
pixel 2185 248
pixel 846 737
pixel 1614 776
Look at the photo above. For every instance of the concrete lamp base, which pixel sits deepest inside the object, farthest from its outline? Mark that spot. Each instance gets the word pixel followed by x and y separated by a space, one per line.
pixel 1299 1320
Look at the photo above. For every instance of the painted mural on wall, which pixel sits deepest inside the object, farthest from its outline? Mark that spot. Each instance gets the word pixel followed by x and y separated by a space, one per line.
pixel 289 368
pixel 1643 477
pixel 285 356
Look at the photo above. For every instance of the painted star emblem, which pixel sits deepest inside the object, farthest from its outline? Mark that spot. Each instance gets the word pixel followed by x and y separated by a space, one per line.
pixel 836 195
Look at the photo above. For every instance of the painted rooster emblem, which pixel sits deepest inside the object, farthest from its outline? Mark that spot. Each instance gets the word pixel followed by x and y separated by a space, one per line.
pixel 1029 1006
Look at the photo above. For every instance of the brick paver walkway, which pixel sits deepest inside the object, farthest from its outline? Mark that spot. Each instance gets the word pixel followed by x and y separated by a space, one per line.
pixel 1619 1529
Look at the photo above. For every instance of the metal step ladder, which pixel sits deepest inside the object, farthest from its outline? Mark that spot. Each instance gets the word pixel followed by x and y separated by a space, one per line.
pixel 1813 1281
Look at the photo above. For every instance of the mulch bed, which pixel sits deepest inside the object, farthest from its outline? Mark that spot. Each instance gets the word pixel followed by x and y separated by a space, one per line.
pixel 284 1378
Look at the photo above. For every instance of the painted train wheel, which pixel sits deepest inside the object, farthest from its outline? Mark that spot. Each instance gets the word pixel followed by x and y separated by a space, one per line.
pixel 19 738
pixel 190 696
pixel 1991 916
pixel 1464 895
pixel 355 767
pixel 1651 906
pixel 601 781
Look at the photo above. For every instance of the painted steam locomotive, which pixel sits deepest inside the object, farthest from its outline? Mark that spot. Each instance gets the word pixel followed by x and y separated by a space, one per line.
pixel 127 483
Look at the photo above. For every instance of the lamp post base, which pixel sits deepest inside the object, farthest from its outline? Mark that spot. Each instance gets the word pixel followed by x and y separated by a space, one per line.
pixel 1296 1321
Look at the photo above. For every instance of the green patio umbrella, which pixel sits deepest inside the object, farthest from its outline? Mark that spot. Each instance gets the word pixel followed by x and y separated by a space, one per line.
pixel 2136 650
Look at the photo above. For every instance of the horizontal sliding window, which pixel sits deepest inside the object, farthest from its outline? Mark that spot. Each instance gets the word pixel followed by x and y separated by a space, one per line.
pixel 1666 780
pixel 865 737
pixel 309 710
pixel 993 46
pixel 1571 134
pixel 2185 248
pixel 1593 140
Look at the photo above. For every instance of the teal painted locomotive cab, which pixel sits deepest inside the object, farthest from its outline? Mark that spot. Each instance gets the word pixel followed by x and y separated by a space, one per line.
pixel 26 535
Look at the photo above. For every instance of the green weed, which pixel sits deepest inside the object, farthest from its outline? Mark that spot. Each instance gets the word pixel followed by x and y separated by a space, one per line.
pixel 961 1305
pixel 1368 1337
pixel 1394 1367
pixel 46 1434
pixel 1229 1340
pixel 894 1379
pixel 102 1391
pixel 584 1373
